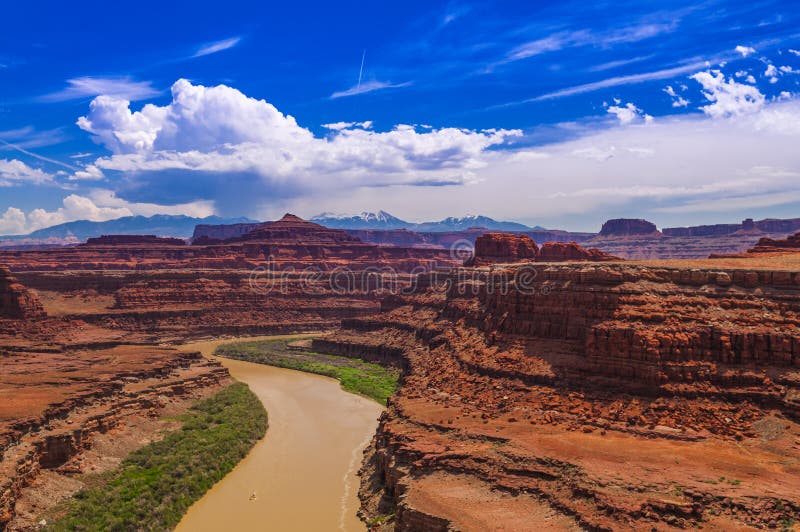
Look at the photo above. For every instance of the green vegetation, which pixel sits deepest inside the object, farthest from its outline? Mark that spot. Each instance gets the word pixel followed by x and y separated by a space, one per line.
pixel 157 484
pixel 379 520
pixel 356 376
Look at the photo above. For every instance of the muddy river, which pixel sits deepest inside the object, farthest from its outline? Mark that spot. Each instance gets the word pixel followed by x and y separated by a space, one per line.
pixel 302 475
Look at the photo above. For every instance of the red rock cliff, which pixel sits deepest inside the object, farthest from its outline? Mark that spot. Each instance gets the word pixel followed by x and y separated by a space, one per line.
pixel 600 397
pixel 503 248
pixel 15 301
pixel 768 245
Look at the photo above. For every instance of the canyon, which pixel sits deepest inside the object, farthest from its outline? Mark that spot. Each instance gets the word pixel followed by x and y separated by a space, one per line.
pixel 546 383
pixel 615 396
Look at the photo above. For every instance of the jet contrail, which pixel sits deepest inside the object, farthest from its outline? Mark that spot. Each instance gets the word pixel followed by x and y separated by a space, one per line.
pixel 361 70
pixel 37 156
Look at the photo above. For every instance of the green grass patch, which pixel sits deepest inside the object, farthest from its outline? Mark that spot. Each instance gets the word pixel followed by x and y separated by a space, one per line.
pixel 356 376
pixel 158 483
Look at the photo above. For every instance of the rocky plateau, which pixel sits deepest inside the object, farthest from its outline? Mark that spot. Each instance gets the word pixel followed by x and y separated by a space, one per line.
pixel 551 385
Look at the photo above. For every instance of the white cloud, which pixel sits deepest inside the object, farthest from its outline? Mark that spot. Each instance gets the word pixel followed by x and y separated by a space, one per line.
pixel 729 97
pixel 745 50
pixel 771 73
pixel 217 46
pixel 686 161
pixel 109 199
pixel 614 82
pixel 571 39
pixel 89 173
pixel 628 113
pixel 794 52
pixel 677 100
pixel 338 126
pixel 368 86
pixel 215 130
pixel 75 207
pixel 13 222
pixel 102 205
pixel 683 163
pixel 120 87
pixel 16 172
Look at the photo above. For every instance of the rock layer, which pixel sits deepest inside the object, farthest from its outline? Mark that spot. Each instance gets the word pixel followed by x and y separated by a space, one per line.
pixel 15 301
pixel 768 245
pixel 506 248
pixel 614 396
pixel 503 248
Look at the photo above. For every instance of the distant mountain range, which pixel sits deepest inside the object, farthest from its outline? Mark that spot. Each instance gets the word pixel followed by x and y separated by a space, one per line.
pixel 179 226
pixel 384 220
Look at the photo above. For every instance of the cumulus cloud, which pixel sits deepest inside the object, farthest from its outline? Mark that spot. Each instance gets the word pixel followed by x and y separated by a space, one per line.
pixel 101 205
pixel 679 164
pixel 745 50
pixel 15 221
pixel 267 163
pixel 771 73
pixel 728 97
pixel 88 173
pixel 628 113
pixel 120 87
pixel 219 130
pixel 16 172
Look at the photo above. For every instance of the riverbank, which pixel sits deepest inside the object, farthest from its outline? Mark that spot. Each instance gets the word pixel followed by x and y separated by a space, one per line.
pixel 304 472
pixel 356 376
pixel 159 482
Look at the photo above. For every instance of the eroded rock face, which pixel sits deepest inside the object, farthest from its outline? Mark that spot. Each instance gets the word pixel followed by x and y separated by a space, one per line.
pixel 570 251
pixel 768 245
pixel 65 381
pixel 507 248
pixel 16 302
pixel 628 226
pixel 624 396
pixel 494 248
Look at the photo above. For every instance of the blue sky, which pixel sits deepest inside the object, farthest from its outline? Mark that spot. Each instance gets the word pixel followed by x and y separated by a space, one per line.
pixel 559 114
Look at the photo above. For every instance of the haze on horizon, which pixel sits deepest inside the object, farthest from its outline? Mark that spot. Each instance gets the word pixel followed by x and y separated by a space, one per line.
pixel 554 115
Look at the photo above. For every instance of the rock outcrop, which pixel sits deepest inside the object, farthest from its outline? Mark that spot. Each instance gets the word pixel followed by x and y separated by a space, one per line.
pixel 571 251
pixel 628 239
pixel 493 248
pixel 506 248
pixel 628 226
pixel 769 245
pixel 597 396
pixel 16 302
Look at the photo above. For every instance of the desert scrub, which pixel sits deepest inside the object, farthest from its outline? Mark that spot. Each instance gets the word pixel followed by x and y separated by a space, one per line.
pixel 158 483
pixel 356 376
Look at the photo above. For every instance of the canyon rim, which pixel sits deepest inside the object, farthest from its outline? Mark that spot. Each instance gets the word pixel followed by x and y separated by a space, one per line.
pixel 432 266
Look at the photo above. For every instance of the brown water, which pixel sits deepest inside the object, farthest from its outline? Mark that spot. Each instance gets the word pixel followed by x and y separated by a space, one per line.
pixel 303 473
